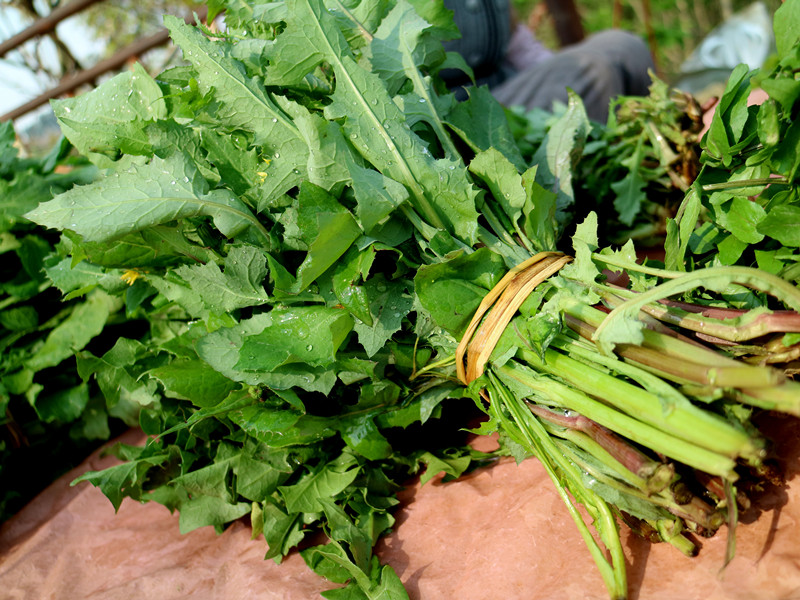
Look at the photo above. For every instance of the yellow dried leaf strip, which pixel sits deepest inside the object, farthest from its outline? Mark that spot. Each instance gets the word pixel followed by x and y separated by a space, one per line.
pixel 486 304
pixel 502 302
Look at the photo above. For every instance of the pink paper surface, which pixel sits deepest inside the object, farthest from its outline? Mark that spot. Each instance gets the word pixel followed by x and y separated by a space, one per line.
pixel 501 533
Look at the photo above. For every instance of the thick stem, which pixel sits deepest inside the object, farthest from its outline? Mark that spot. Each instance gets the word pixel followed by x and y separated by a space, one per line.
pixel 565 396
pixel 684 420
pixel 615 452
pixel 533 436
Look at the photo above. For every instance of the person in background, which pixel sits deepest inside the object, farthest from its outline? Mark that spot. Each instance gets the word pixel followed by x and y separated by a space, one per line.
pixel 520 70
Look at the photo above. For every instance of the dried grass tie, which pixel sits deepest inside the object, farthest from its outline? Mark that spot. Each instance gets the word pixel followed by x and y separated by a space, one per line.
pixel 502 303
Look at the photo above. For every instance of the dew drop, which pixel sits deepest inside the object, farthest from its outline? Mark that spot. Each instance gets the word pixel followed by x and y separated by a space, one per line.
pixel 274 120
pixel 309 347
pixel 422 99
pixel 277 155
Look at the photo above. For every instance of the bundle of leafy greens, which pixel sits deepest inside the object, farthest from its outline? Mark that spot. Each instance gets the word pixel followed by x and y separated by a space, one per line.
pixel 49 417
pixel 336 258
pixel 636 168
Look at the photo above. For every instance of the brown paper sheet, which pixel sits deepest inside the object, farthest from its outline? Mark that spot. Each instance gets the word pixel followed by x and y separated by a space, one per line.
pixel 500 533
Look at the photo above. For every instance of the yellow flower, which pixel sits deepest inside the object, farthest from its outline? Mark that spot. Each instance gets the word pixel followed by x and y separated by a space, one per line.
pixel 130 276
pixel 262 175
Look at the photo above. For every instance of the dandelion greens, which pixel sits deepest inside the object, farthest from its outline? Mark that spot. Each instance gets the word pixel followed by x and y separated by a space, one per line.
pixel 362 260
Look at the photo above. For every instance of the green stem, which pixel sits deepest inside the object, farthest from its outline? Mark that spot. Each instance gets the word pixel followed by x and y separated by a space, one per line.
pixel 698 513
pixel 567 397
pixel 416 221
pixel 671 533
pixel 731 325
pixel 627 265
pixel 494 222
pixel 445 362
pixel 668 395
pixel 712 277
pixel 783 398
pixel 617 455
pixel 682 419
pixel 535 438
pixel 728 185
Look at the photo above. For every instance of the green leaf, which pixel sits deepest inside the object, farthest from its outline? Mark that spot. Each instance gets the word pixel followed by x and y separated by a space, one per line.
pixel 503 180
pixel 317 560
pixel 257 479
pixel 282 530
pixel 244 104
pixel 32 251
pixel 420 409
pixel 69 277
pixel 481 123
pixel 193 380
pixel 362 435
pixel 123 480
pixel 680 231
pixel 730 250
pixel 281 428
pixel 540 212
pixel 20 195
pixel 785 158
pixel 237 165
pixel 377 195
pixel 211 480
pixel 584 242
pixel 341 528
pixel 399 47
pixel 782 223
pixel 389 304
pixel 560 151
pixel 324 482
pixel 86 321
pixel 238 286
pixel 309 335
pixel 726 134
pixel 209 510
pixel 785 25
pixel 630 189
pixel 62 406
pixel 440 190
pixel 163 190
pixel 118 377
pixel 741 218
pixel 19 318
pixel 110 119
pixel 452 466
pixel 328 229
pixel 452 290
pixel 221 350
pixel 352 268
